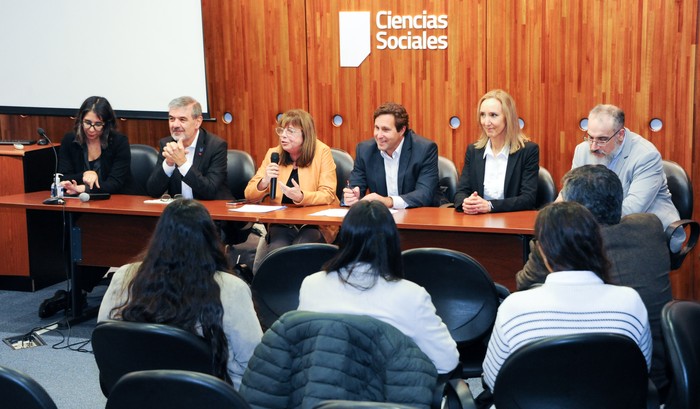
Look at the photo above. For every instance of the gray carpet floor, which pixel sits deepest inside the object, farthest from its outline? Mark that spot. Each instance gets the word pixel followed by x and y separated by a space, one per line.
pixel 65 366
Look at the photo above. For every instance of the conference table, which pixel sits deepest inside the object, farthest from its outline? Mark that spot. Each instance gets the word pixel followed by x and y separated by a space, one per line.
pixel 115 231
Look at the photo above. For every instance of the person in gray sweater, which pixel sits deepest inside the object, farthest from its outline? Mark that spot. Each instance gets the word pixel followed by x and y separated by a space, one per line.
pixel 183 281
pixel 636 246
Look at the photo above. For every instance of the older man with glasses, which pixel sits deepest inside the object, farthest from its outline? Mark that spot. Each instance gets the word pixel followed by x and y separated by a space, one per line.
pixel 635 160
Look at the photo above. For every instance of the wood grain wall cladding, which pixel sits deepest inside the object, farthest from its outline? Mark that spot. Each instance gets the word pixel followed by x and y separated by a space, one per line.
pixel 557 58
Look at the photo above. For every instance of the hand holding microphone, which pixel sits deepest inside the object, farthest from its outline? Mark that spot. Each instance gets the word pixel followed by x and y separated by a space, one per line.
pixel 274 158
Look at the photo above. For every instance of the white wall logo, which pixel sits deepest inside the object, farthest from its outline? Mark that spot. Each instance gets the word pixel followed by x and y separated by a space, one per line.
pixel 402 32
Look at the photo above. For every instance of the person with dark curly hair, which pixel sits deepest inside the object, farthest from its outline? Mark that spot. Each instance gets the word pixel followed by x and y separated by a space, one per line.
pixel 183 280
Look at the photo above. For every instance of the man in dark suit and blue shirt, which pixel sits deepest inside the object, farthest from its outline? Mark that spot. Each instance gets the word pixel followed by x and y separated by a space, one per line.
pixel 192 162
pixel 398 167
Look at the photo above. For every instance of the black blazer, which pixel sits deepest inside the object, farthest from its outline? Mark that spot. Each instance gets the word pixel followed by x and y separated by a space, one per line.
pixel 521 178
pixel 418 170
pixel 115 162
pixel 206 177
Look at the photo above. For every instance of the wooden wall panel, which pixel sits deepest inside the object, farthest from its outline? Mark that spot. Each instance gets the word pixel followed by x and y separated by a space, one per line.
pixel 559 59
pixel 433 85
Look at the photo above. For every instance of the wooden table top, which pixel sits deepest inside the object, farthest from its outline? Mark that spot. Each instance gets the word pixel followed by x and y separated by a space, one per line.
pixel 425 218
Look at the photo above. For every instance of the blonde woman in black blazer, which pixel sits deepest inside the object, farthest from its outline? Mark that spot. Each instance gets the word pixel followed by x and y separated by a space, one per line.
pixel 500 136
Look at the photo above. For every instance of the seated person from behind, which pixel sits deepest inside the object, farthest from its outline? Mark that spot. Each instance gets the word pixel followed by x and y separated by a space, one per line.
pixel 192 161
pixel 305 176
pixel 94 157
pixel 398 167
pixel 183 281
pixel 365 278
pixel 500 169
pixel 636 247
pixel 574 297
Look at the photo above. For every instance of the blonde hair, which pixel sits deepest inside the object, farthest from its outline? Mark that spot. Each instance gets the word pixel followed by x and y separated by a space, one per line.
pixel 302 119
pixel 514 136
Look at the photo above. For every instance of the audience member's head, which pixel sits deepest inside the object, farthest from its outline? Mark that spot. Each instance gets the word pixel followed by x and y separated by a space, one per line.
pixel 95 116
pixel 598 189
pixel 175 283
pixel 369 235
pixel 568 237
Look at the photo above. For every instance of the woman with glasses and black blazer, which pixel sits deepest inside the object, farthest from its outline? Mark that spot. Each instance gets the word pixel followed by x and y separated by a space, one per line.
pixel 94 157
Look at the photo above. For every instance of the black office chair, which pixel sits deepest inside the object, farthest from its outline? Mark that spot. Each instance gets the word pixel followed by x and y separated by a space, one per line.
pixel 349 404
pixel 343 166
pixel 448 178
pixel 121 347
pixel 464 295
pixel 278 279
pixel 546 189
pixel 20 391
pixel 173 389
pixel 143 159
pixel 580 371
pixel 682 196
pixel 240 168
pixel 680 324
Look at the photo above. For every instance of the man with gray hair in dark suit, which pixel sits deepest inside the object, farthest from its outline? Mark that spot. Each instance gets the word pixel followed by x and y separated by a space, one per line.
pixel 636 246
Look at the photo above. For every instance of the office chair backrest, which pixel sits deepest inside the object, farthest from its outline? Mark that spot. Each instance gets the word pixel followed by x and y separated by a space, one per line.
pixel 121 347
pixel 680 324
pixel 173 389
pixel 546 188
pixel 448 177
pixel 278 279
pixel 240 168
pixel 20 391
pixel 680 187
pixel 464 295
pixel 143 159
pixel 591 370
pixel 343 167
pixel 349 404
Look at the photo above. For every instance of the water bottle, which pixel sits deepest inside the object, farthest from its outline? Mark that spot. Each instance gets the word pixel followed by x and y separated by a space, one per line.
pixel 56 188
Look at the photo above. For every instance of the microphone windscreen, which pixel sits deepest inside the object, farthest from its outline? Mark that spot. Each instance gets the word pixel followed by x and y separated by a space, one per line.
pixel 84 197
pixel 275 157
pixel 41 132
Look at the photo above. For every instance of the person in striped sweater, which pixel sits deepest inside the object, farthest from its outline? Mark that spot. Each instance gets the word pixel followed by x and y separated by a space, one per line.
pixel 574 297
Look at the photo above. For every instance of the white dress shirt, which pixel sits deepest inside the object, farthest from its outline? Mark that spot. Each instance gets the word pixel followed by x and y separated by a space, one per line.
pixel 391 169
pixel 495 172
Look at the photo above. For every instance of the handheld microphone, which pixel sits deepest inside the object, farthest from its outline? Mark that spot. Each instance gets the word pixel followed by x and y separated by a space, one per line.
pixel 274 158
pixel 54 199
pixel 86 197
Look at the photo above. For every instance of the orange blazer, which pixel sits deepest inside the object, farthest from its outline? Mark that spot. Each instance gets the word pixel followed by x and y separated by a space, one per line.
pixel 317 181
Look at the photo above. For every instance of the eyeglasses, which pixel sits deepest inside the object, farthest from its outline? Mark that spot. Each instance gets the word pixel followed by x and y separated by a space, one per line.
pixel 290 131
pixel 600 141
pixel 97 125
pixel 167 198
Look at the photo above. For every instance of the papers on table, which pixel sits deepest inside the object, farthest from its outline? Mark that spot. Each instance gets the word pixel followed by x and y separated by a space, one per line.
pixel 339 212
pixel 250 208
pixel 158 201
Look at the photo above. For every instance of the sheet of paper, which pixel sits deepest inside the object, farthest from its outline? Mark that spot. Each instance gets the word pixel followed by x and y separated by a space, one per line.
pixel 331 212
pixel 340 212
pixel 158 201
pixel 249 208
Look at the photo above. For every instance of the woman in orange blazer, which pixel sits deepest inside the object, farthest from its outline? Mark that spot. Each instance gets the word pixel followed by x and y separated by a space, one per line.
pixel 305 177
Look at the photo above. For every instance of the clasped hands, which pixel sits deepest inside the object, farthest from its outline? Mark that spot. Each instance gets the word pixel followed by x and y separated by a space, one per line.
pixel 475 204
pixel 273 171
pixel 89 178
pixel 174 153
